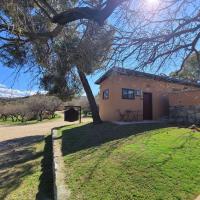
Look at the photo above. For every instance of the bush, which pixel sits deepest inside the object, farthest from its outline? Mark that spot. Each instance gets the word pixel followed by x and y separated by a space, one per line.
pixel 36 107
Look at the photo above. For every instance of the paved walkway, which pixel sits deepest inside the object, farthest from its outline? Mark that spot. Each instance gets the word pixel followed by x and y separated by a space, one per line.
pixel 8 132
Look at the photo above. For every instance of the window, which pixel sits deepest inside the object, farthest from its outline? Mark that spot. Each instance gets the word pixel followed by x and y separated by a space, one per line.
pixel 138 92
pixel 128 93
pixel 106 94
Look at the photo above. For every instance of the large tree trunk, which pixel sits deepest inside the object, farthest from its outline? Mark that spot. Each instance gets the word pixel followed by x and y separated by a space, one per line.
pixel 90 96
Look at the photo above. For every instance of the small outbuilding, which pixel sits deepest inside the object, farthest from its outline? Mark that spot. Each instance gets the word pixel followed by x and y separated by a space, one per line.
pixel 129 95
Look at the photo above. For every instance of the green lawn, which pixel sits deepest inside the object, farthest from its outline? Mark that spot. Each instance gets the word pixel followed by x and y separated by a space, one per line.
pixel 133 162
pixel 25 169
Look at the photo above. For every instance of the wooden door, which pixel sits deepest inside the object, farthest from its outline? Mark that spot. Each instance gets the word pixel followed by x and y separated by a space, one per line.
pixel 147 106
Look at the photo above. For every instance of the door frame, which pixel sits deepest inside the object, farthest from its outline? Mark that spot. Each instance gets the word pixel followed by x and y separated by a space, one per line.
pixel 149 93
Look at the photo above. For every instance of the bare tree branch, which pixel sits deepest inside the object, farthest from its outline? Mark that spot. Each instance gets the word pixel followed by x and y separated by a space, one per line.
pixel 95 14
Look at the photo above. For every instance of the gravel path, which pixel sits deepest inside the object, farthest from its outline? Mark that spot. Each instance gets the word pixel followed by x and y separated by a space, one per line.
pixel 8 132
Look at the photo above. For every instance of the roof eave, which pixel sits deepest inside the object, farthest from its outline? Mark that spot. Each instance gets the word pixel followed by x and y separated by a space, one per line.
pixel 151 76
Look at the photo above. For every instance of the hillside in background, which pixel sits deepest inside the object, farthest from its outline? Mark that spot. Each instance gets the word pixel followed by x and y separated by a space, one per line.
pixel 7 99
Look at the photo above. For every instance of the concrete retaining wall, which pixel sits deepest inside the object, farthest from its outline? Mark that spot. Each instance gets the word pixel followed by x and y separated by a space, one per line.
pixel 61 192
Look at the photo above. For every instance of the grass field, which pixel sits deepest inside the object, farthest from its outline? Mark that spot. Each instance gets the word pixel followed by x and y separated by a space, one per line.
pixel 25 169
pixel 112 162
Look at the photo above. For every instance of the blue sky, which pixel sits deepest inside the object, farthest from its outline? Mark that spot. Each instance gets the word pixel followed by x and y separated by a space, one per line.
pixel 10 79
pixel 23 83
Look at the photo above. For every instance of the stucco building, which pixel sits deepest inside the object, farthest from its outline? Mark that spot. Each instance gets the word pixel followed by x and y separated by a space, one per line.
pixel 132 95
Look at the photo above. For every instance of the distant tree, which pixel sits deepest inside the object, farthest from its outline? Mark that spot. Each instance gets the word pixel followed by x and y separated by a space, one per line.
pixel 37 105
pixel 190 70
pixel 53 104
pixel 16 110
pixel 79 101
pixel 11 111
pixel 32 108
pixel 86 107
pixel 23 112
pixel 3 112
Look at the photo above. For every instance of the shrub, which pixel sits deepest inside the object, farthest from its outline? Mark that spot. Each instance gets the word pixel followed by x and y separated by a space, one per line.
pixel 36 107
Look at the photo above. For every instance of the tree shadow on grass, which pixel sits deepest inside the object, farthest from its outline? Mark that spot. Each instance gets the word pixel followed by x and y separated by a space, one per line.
pixel 92 163
pixel 89 135
pixel 45 190
pixel 14 162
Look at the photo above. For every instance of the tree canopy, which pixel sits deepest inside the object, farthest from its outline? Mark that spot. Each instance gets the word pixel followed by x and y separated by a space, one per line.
pixel 190 70
pixel 29 37
pixel 146 34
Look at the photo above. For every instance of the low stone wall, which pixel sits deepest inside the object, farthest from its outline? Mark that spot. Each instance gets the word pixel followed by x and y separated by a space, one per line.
pixel 185 114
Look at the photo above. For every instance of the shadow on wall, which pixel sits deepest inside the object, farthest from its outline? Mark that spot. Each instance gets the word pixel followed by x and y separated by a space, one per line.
pixel 89 135
pixel 18 159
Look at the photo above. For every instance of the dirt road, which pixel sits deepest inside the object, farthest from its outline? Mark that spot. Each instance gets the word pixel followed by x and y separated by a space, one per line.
pixel 19 158
pixel 8 132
